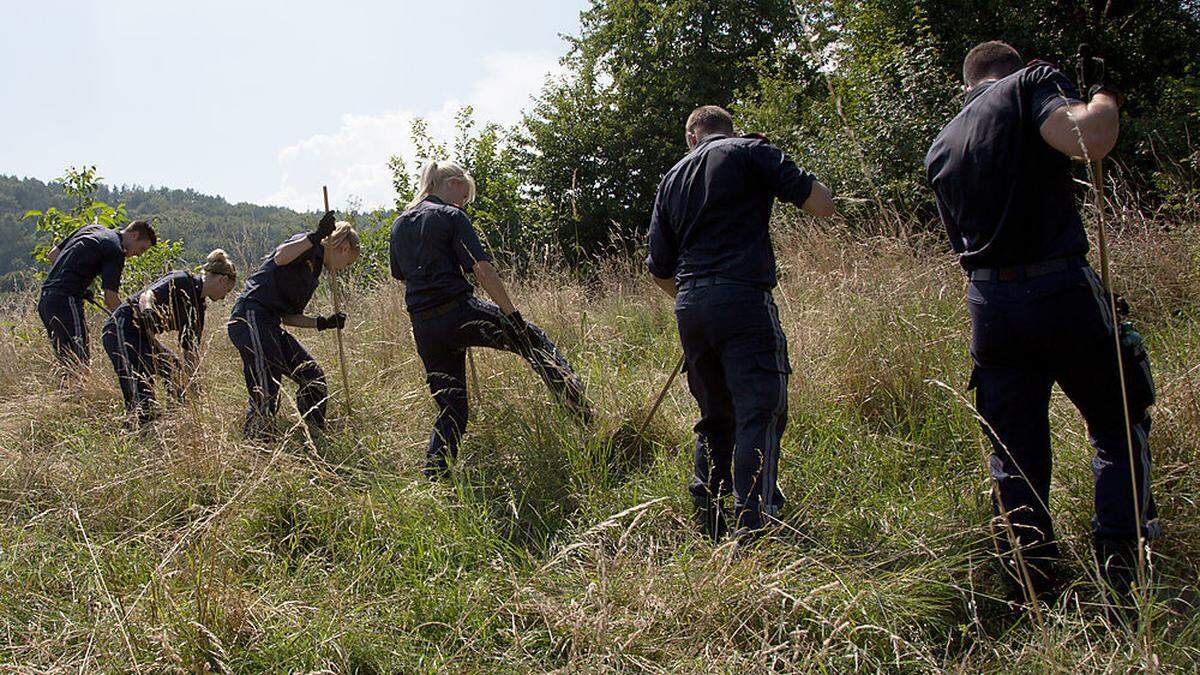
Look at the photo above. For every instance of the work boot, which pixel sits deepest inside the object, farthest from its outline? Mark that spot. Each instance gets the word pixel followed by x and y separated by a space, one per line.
pixel 710 518
pixel 436 468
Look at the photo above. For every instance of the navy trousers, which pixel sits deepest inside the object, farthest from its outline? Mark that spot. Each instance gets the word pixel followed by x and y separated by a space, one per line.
pixel 1027 336
pixel 269 354
pixel 137 359
pixel 62 315
pixel 737 370
pixel 442 343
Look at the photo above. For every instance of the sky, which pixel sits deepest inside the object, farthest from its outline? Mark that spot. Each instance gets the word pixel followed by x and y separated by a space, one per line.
pixel 261 101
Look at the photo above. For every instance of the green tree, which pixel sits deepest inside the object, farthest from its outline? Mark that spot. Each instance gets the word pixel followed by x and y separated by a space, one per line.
pixel 598 140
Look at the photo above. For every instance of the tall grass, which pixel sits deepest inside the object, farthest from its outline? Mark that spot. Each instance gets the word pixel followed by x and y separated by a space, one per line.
pixel 562 547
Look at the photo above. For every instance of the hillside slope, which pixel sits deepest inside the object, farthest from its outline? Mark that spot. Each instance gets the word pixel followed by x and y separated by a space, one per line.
pixel 201 222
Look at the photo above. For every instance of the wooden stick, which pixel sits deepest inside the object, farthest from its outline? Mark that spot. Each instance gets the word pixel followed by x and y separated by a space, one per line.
pixel 337 308
pixel 662 394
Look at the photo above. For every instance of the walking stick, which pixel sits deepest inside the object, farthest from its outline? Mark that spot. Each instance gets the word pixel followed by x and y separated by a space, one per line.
pixel 1097 170
pixel 337 308
pixel 662 394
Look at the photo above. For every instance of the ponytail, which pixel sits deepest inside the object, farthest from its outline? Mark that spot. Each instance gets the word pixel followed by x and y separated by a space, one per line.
pixel 434 176
pixel 218 263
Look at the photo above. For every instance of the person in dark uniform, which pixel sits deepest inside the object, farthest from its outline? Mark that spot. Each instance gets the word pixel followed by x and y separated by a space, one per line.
pixel 176 301
pixel 1002 173
pixel 710 248
pixel 433 245
pixel 90 251
pixel 276 296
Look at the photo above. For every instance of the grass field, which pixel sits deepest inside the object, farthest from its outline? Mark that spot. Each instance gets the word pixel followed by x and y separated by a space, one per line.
pixel 564 548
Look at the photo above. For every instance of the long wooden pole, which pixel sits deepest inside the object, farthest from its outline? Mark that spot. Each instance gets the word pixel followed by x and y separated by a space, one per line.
pixel 662 394
pixel 337 308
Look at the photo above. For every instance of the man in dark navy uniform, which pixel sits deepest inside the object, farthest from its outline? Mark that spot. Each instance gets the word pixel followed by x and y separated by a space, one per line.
pixel 90 251
pixel 710 248
pixel 1002 174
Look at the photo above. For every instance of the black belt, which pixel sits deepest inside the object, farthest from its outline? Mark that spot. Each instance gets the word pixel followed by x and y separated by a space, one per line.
pixel 441 310
pixel 1023 272
pixel 700 282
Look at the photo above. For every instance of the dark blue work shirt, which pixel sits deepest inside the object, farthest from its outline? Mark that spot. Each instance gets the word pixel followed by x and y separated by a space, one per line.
pixel 90 251
pixel 432 247
pixel 1006 196
pixel 285 289
pixel 178 305
pixel 713 209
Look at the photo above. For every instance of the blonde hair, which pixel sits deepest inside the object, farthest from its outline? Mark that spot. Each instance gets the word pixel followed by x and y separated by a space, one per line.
pixel 217 262
pixel 434 176
pixel 343 233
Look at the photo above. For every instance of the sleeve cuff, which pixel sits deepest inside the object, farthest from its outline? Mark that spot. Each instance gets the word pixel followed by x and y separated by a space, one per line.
pixel 659 271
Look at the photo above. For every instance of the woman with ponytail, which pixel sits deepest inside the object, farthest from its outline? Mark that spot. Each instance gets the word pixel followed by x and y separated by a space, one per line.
pixel 175 302
pixel 276 295
pixel 433 246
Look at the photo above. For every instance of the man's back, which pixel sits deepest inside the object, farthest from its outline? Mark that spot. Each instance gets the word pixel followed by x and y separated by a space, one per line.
pixel 1006 197
pixel 90 251
pixel 713 209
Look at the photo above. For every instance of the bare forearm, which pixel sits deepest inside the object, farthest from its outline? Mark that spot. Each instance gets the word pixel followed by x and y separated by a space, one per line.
pixel 53 254
pixel 819 202
pixel 298 321
pixel 1084 129
pixel 490 280
pixel 289 252
pixel 111 300
pixel 667 285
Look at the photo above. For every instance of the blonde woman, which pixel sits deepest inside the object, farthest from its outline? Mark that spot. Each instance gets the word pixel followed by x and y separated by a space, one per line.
pixel 177 302
pixel 276 296
pixel 433 246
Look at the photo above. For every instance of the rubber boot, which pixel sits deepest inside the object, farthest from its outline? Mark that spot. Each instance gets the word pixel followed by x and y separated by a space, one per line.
pixel 1117 560
pixel 710 518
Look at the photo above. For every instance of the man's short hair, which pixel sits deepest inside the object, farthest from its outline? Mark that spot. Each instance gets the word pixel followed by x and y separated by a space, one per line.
pixel 993 59
pixel 143 230
pixel 710 119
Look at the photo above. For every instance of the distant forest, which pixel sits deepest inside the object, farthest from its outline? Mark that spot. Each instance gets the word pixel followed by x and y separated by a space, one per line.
pixel 201 222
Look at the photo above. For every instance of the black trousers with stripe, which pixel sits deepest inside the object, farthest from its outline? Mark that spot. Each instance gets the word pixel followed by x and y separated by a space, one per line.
pixel 1027 336
pixel 62 315
pixel 442 343
pixel 137 359
pixel 737 370
pixel 269 354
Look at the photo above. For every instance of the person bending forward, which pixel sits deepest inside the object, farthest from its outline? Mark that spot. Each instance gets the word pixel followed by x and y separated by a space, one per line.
pixel 432 246
pixel 276 296
pixel 176 301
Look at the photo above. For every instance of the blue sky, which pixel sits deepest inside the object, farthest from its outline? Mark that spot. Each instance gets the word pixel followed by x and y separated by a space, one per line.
pixel 260 100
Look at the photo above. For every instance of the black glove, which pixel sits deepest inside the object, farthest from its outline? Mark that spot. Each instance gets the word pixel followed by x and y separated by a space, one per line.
pixel 515 329
pixel 1095 77
pixel 324 228
pixel 337 321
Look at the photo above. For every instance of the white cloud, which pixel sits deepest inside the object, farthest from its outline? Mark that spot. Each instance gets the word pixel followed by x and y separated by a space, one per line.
pixel 352 161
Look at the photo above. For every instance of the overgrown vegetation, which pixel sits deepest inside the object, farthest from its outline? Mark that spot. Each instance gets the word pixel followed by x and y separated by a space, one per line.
pixel 561 547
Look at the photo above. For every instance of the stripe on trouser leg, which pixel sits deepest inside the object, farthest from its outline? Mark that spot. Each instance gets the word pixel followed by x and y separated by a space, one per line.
pixel 77 316
pixel 123 352
pixel 260 359
pixel 771 454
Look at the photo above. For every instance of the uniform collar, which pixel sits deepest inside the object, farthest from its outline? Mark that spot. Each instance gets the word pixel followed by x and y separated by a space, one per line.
pixel 435 199
pixel 709 139
pixel 978 91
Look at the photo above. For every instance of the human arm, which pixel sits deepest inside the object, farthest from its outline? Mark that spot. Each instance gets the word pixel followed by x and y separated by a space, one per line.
pixel 1080 130
pixel 667 285
pixel 489 279
pixel 337 320
pixel 789 182
pixel 54 253
pixel 111 300
pixel 298 246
